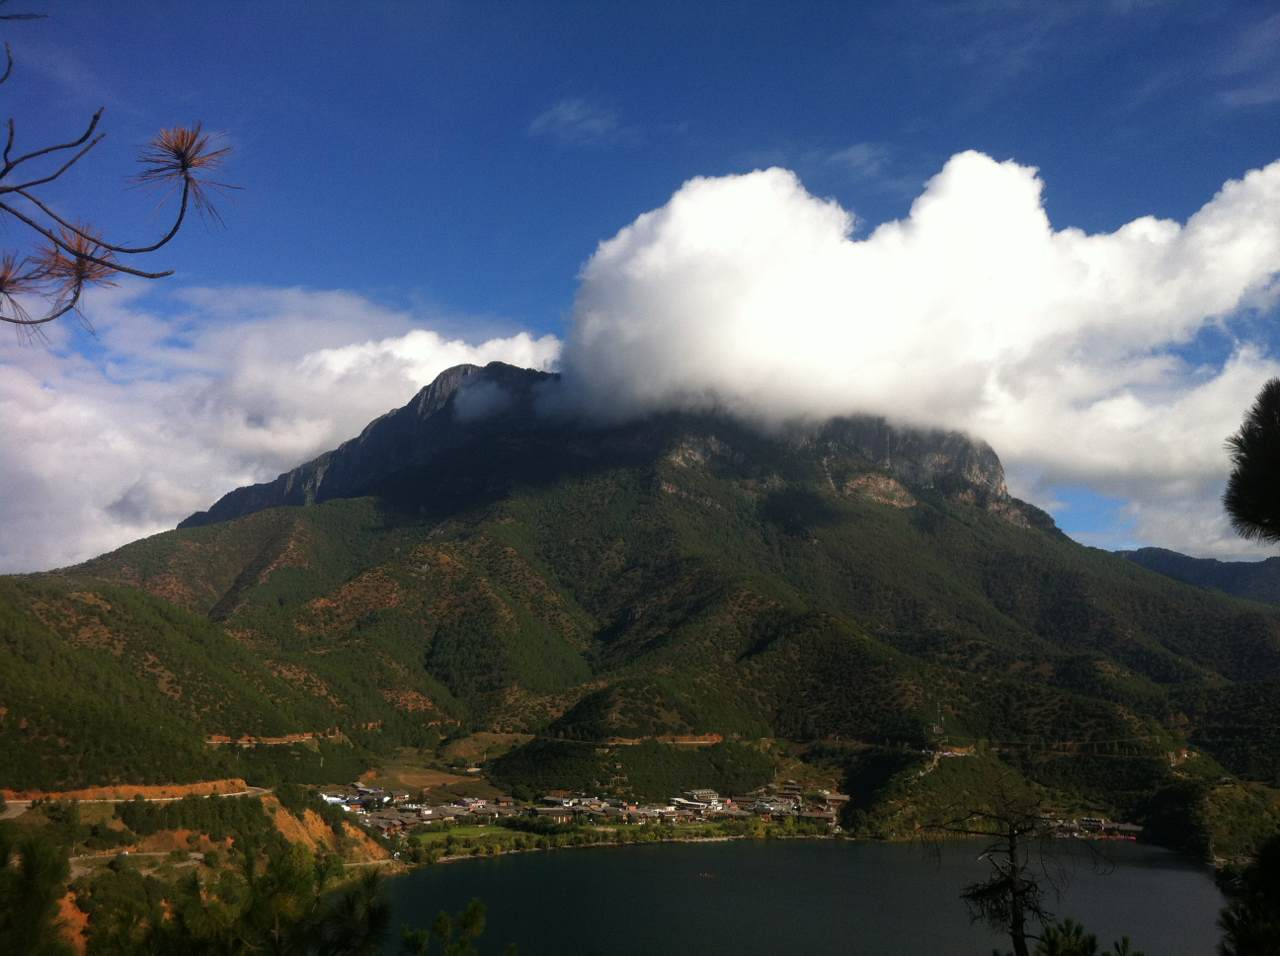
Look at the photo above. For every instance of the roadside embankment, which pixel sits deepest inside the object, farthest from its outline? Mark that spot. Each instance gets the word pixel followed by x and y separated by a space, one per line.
pixel 127 791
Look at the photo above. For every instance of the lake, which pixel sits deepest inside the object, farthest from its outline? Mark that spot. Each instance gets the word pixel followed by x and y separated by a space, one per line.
pixel 810 897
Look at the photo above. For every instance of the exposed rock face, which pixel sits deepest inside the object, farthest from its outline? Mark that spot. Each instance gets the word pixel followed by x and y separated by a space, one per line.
pixel 881 489
pixel 440 416
pixel 925 459
pixel 469 410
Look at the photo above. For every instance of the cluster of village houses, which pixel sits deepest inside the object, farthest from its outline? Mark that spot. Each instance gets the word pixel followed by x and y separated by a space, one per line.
pixel 392 813
pixel 1095 828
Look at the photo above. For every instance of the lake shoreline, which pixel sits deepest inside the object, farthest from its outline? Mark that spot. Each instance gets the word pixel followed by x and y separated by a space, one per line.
pixel 727 838
pixel 949 839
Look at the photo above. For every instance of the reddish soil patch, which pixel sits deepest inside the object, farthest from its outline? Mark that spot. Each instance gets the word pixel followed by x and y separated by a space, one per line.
pixel 304 680
pixel 78 625
pixel 292 555
pixel 87 597
pixel 409 701
pixel 308 830
pixel 166 841
pixel 362 847
pixel 74 922
pixel 371 590
pixel 242 636
pixel 166 681
pixel 168 586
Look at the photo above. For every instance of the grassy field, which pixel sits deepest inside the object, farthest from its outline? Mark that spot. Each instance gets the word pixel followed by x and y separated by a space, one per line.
pixel 482 746
pixel 469 833
pixel 419 770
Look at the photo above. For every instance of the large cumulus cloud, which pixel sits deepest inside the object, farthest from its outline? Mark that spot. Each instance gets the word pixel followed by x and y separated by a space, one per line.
pixel 1059 347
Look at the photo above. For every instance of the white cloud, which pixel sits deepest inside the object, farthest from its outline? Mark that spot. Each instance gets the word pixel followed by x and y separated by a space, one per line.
pixel 1250 64
pixel 577 120
pixel 229 387
pixel 861 160
pixel 973 312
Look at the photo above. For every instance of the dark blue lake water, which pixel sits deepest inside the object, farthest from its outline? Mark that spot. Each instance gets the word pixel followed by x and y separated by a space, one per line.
pixel 816 898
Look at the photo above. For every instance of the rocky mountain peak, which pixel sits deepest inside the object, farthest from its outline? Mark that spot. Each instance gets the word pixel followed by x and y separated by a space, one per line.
pixel 449 433
pixel 438 417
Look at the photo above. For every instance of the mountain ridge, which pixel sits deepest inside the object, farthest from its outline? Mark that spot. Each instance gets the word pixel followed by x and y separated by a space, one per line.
pixel 1253 580
pixel 334 473
pixel 446 412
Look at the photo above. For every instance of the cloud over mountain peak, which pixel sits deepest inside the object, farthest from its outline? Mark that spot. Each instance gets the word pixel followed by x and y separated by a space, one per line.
pixel 972 312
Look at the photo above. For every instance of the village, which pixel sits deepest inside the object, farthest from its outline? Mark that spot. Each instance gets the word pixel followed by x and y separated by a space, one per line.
pixel 395 813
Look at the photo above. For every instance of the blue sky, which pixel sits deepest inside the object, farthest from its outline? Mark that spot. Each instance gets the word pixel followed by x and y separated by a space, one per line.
pixel 391 147
pixel 453 166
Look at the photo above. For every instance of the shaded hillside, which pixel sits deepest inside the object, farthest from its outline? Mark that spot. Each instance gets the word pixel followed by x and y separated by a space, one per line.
pixel 472 400
pixel 680 575
pixel 1254 580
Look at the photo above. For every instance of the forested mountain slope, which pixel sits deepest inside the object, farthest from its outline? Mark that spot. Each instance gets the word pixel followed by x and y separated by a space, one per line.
pixel 505 568
pixel 1254 580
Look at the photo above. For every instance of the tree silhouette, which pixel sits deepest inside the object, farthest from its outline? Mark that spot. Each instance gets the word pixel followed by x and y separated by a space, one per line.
pixel 1251 921
pixel 1029 865
pixel 66 257
pixel 33 875
pixel 1069 938
pixel 1018 832
pixel 1252 498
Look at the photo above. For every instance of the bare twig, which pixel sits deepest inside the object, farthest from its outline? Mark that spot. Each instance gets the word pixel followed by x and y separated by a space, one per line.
pixel 68 247
pixel 9 165
pixel 20 16
pixel 75 256
pixel 125 250
pixel 23 319
pixel 54 175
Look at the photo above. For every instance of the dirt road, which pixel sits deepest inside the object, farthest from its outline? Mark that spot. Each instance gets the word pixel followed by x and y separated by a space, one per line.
pixel 15 808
